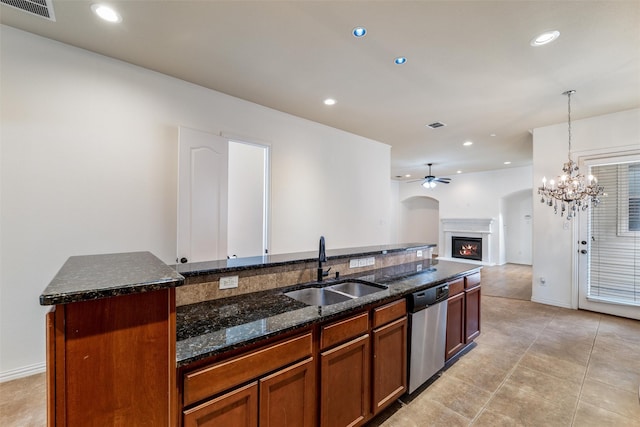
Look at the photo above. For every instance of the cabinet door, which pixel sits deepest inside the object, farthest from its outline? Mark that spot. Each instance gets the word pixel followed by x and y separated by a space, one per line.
pixel 238 408
pixel 344 384
pixel 389 363
pixel 288 397
pixel 455 325
pixel 472 313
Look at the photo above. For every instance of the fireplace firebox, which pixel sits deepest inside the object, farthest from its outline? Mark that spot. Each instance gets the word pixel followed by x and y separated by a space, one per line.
pixel 466 248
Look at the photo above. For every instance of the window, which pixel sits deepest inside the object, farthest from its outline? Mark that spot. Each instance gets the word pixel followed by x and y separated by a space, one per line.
pixel 634 197
pixel 614 226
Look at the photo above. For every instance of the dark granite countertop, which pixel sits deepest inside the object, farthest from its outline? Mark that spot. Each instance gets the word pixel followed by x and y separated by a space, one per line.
pixel 250 263
pixel 90 277
pixel 212 327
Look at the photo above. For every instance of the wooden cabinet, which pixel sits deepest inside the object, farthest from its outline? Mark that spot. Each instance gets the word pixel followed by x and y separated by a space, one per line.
pixel 389 363
pixel 288 397
pixel 238 408
pixel 345 372
pixel 282 389
pixel 472 313
pixel 112 359
pixel 455 325
pixel 344 380
pixel 357 382
pixel 463 313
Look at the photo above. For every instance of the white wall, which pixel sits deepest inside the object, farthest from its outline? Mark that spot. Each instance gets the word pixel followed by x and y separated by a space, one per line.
pixel 89 165
pixel 473 195
pixel 552 236
pixel 518 227
pixel 418 220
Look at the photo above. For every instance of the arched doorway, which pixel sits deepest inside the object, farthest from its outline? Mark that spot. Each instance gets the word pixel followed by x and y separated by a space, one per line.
pixel 419 220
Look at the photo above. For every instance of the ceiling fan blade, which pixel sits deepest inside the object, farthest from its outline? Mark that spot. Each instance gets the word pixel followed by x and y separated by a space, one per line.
pixel 443 180
pixel 414 180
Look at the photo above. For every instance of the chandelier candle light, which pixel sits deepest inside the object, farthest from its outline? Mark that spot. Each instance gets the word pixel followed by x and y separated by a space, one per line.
pixel 571 191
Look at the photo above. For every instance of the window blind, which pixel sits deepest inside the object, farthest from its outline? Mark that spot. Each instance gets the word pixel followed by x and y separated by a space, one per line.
pixel 614 226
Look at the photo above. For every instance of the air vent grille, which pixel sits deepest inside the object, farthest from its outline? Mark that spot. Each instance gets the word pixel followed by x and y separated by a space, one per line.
pixel 436 125
pixel 41 8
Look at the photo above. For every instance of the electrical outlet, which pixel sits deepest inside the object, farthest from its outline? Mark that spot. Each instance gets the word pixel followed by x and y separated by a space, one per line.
pixel 418 267
pixel 353 263
pixel 543 281
pixel 419 254
pixel 229 282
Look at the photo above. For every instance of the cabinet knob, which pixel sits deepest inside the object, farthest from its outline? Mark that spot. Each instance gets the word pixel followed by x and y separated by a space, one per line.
pixel 183 260
pixel 583 251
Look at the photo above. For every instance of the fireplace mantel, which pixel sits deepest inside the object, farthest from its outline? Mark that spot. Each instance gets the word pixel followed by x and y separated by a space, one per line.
pixel 468 227
pixel 474 225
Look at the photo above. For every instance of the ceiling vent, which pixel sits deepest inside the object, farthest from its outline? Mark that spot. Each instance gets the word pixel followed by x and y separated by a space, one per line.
pixel 436 125
pixel 41 8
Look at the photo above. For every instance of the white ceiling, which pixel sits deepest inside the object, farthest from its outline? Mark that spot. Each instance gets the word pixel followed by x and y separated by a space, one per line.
pixel 469 64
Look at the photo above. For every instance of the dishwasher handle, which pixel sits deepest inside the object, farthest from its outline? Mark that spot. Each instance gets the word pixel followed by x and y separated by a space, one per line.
pixel 425 298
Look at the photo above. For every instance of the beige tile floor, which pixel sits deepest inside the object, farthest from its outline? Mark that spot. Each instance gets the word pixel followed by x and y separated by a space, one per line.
pixel 533 365
pixel 508 280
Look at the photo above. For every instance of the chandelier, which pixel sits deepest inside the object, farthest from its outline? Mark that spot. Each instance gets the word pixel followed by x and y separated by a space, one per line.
pixel 571 192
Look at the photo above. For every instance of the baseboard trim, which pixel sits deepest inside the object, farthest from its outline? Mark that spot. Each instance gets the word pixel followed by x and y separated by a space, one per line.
pixel 551 302
pixel 22 372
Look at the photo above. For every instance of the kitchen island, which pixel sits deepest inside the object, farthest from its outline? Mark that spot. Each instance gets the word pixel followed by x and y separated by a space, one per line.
pixel 115 347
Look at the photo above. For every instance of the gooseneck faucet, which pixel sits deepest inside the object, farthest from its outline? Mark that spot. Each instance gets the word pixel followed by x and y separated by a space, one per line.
pixel 322 257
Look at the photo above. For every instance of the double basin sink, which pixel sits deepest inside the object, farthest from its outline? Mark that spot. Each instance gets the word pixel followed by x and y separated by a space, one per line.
pixel 336 293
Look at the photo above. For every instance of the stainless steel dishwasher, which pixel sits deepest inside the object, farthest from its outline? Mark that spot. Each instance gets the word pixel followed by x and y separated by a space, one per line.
pixel 427 333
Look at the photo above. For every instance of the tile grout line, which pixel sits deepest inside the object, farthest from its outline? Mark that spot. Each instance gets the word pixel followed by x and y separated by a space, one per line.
pixel 506 378
pixel 584 377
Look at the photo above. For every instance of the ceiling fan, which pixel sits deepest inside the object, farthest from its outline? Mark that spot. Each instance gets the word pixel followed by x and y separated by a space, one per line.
pixel 430 180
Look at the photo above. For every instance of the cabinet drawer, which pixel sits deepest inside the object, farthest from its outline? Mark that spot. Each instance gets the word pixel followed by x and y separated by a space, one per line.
pixel 221 376
pixel 456 287
pixel 343 330
pixel 237 408
pixel 471 280
pixel 389 312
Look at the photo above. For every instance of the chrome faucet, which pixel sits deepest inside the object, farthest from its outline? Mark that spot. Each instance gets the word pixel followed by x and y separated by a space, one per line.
pixel 322 257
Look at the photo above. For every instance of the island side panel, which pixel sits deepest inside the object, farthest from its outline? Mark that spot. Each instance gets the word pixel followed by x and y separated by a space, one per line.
pixel 119 360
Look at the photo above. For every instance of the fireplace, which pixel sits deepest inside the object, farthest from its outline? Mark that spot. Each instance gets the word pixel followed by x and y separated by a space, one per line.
pixel 466 248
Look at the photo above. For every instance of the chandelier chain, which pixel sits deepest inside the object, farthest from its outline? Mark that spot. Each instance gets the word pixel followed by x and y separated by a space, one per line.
pixel 572 191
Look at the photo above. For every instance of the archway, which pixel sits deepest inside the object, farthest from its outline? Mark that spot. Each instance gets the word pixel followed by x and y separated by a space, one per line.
pixel 419 220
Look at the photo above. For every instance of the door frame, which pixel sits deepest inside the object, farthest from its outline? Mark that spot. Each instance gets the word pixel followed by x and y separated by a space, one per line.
pixel 580 264
pixel 266 210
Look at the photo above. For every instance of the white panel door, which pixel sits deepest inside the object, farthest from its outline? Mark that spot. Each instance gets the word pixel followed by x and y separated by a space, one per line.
pixel 606 255
pixel 202 196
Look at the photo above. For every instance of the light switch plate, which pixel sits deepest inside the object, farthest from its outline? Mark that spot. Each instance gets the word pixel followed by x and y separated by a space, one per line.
pixel 353 263
pixel 362 262
pixel 229 282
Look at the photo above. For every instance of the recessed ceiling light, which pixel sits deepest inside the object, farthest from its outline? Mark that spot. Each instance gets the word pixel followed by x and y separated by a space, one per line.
pixel 544 38
pixel 408 175
pixel 459 172
pixel 507 163
pixel 359 32
pixel 492 134
pixel 467 143
pixel 329 101
pixel 400 60
pixel 106 12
